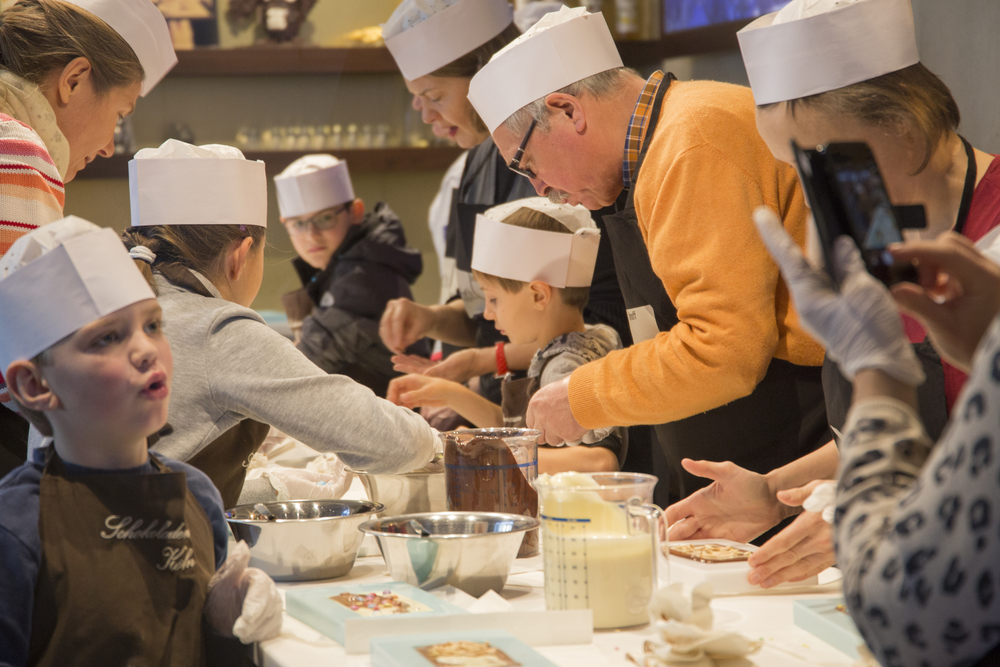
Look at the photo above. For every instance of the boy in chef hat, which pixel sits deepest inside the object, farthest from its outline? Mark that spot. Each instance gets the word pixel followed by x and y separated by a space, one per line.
pixel 113 550
pixel 534 260
pixel 351 263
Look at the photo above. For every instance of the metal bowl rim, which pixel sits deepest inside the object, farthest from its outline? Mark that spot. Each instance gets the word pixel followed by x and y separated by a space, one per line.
pixel 412 473
pixel 374 509
pixel 524 432
pixel 368 530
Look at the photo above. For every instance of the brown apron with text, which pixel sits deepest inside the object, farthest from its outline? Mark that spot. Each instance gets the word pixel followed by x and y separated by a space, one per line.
pixel 225 459
pixel 126 560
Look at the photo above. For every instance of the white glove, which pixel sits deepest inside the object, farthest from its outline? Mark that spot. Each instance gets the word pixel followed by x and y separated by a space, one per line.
pixel 859 326
pixel 241 601
pixel 300 484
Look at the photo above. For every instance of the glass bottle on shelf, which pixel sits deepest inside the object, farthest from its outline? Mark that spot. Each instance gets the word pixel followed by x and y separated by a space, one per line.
pixel 267 139
pixel 365 138
pixel 351 139
pixel 335 140
pixel 626 19
pixel 316 138
pixel 381 138
pixel 304 138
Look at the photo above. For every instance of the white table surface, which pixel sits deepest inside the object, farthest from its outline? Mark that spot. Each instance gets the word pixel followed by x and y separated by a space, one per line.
pixel 765 617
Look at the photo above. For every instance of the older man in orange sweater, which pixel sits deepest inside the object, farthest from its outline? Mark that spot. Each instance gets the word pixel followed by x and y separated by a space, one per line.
pixel 720 362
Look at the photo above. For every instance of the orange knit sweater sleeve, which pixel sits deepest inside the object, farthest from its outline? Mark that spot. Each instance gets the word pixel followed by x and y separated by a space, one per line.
pixel 701 180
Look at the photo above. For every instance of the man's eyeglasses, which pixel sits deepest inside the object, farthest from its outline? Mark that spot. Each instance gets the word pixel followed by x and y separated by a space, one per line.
pixel 320 223
pixel 515 163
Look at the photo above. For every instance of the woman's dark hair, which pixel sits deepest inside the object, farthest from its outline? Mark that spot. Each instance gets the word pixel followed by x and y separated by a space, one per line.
pixel 180 248
pixel 38 37
pixel 912 98
pixel 473 61
pixel 468 65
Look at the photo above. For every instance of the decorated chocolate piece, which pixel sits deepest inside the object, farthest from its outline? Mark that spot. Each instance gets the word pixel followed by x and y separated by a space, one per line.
pixel 373 604
pixel 466 654
pixel 710 553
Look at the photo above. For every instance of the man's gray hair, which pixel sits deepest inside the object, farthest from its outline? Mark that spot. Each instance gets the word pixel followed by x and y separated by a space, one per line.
pixel 601 85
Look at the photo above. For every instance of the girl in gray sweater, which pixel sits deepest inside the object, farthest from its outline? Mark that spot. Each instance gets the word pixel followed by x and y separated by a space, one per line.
pixel 234 375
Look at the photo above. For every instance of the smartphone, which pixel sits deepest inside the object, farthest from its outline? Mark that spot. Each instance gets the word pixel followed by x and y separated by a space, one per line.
pixel 845 190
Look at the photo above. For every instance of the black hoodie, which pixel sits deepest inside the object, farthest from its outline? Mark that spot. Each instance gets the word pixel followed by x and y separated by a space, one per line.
pixel 372 266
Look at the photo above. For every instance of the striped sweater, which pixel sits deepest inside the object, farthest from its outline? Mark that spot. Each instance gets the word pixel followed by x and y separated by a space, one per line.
pixel 31 191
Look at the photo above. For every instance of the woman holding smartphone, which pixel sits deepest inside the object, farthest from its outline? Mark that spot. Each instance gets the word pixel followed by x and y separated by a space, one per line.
pixel 864 83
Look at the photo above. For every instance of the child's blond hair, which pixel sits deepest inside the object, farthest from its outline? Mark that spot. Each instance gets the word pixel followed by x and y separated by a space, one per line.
pixel 530 218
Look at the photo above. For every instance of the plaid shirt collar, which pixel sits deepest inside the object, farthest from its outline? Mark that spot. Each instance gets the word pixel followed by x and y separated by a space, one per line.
pixel 637 127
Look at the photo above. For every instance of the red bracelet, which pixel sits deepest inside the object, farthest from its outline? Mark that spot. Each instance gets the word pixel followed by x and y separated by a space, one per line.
pixel 501 360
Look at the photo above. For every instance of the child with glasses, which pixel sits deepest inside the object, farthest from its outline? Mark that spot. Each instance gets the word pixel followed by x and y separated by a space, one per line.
pixel 351 263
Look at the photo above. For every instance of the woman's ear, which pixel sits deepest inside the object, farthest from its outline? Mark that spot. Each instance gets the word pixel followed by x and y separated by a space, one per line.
pixel 27 386
pixel 69 81
pixel 541 294
pixel 357 212
pixel 236 261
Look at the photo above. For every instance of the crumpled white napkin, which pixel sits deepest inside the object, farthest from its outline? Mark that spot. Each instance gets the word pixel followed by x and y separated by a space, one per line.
pixel 688 638
pixel 172 148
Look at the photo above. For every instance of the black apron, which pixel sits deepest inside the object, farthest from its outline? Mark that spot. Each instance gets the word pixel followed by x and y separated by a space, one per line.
pixel 105 599
pixel 932 404
pixel 783 419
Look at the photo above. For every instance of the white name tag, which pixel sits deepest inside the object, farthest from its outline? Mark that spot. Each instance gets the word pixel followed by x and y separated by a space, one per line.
pixel 642 323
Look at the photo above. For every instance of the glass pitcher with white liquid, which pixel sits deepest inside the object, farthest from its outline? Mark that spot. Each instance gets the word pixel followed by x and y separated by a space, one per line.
pixel 599 544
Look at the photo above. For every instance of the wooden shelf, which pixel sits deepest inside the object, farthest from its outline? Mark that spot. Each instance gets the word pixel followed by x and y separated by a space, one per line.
pixel 273 60
pixel 359 160
pixel 265 60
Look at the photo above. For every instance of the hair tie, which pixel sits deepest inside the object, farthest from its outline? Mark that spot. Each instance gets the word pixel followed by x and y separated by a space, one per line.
pixel 243 228
pixel 143 253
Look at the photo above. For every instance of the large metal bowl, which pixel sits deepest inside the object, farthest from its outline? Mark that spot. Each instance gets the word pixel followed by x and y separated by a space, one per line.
pixel 406 493
pixel 472 551
pixel 303 539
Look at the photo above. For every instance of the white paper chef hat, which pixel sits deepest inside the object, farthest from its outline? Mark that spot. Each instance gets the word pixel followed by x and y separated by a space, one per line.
pixel 142 25
pixel 814 46
pixel 181 184
pixel 517 253
pixel 532 13
pixel 425 35
pixel 312 183
pixel 561 49
pixel 59 278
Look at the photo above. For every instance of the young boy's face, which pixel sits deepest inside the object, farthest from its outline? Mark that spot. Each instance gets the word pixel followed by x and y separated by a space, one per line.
pixel 316 237
pixel 515 314
pixel 113 374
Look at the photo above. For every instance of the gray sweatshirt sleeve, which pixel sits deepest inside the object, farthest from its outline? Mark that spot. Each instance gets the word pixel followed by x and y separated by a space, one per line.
pixel 915 528
pixel 255 372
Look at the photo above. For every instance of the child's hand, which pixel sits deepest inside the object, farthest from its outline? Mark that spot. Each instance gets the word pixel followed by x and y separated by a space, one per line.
pixel 412 391
pixel 459 366
pixel 404 323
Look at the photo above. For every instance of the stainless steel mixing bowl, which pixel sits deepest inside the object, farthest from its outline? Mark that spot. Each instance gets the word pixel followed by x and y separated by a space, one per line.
pixel 472 551
pixel 302 539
